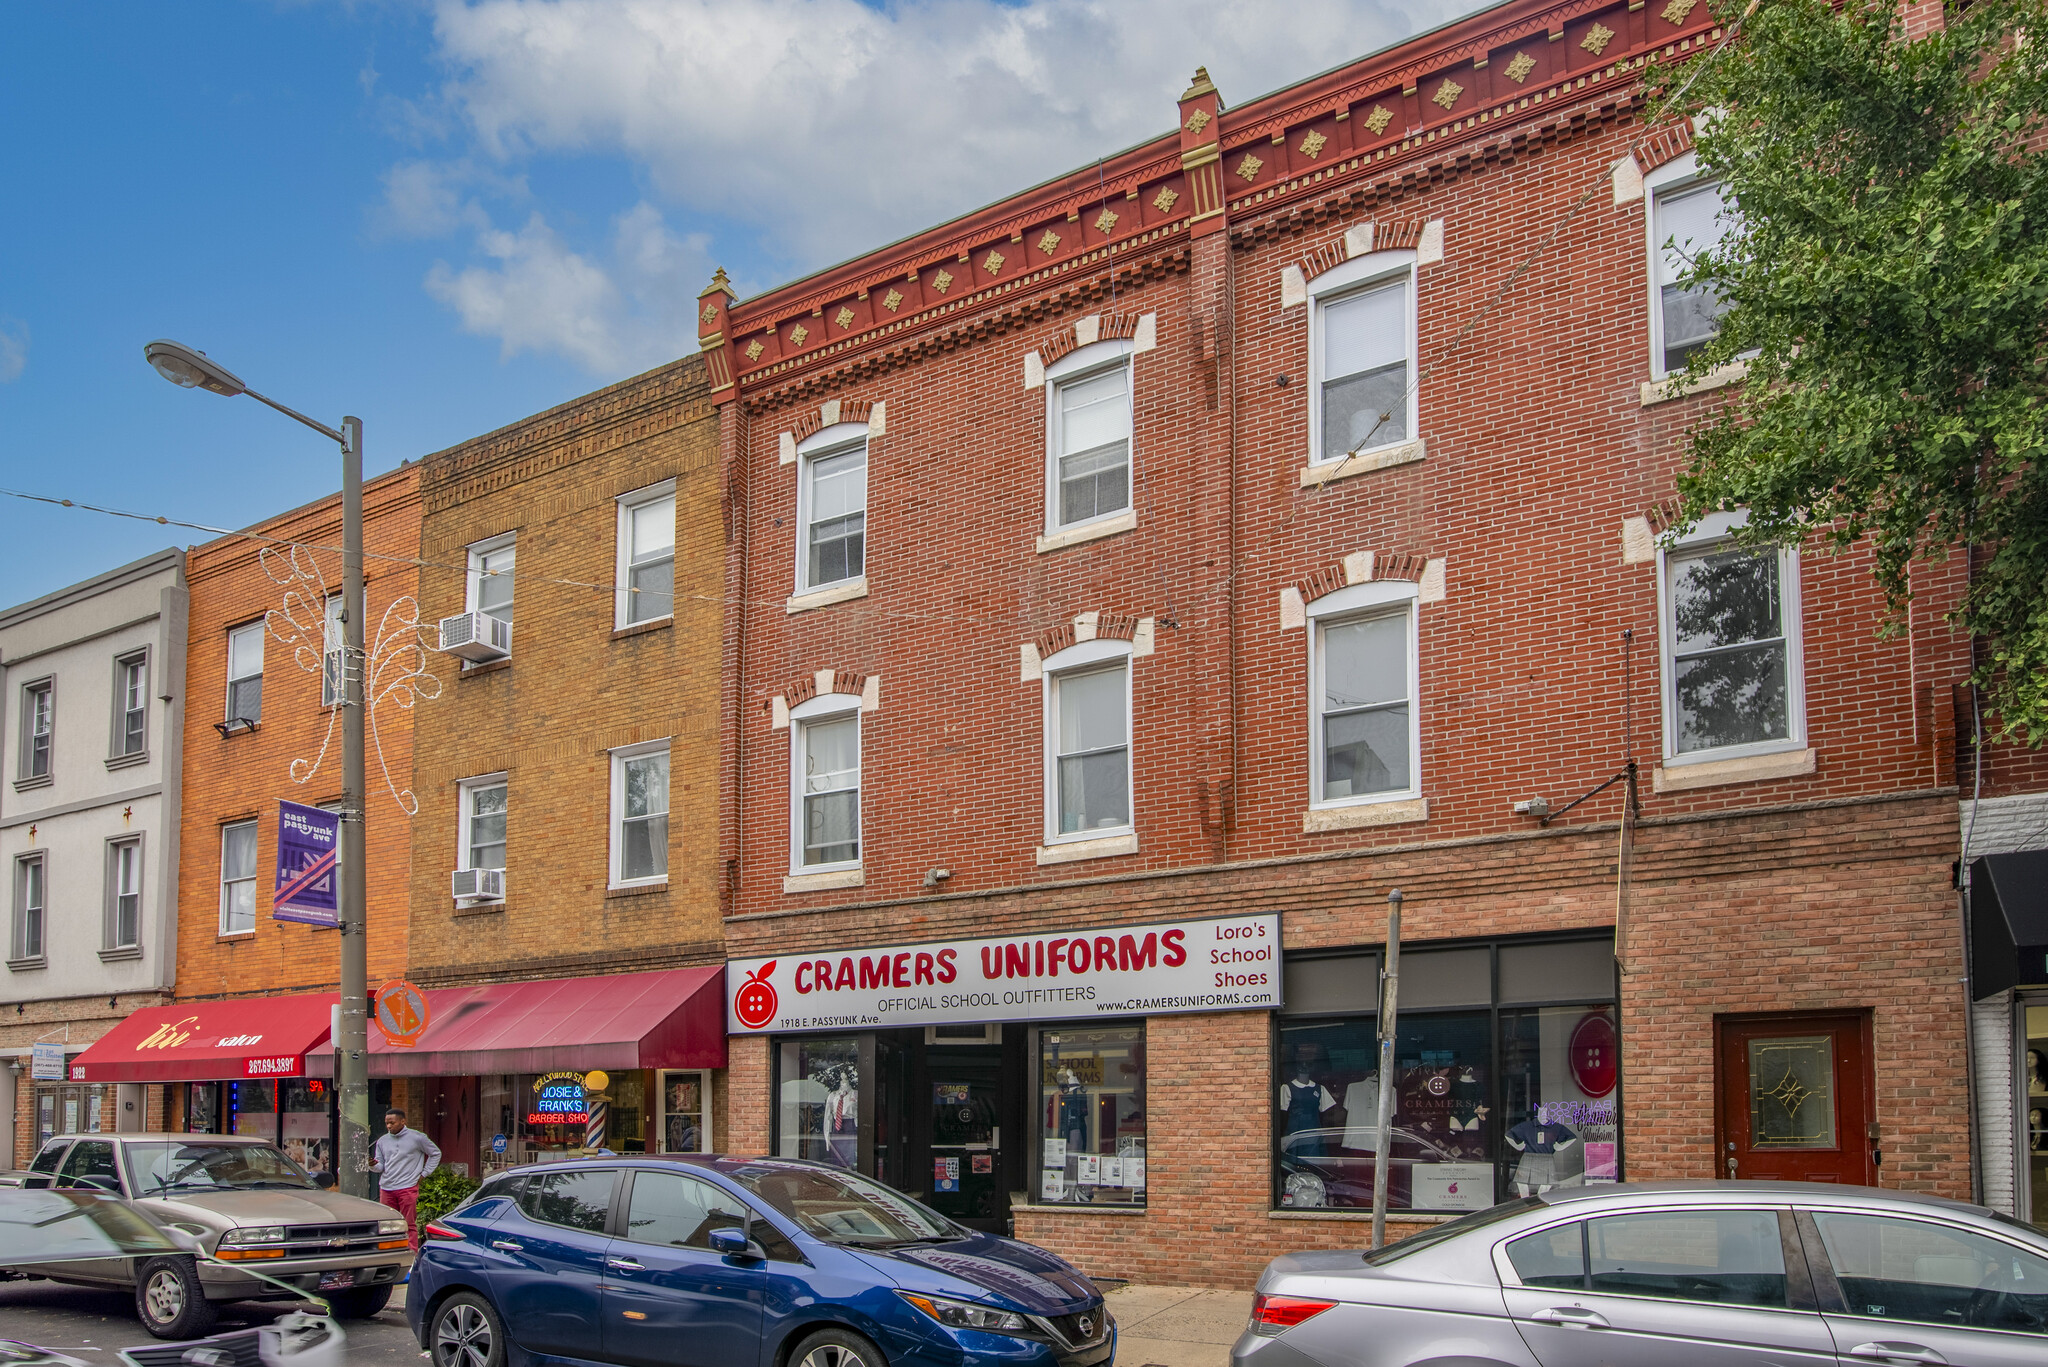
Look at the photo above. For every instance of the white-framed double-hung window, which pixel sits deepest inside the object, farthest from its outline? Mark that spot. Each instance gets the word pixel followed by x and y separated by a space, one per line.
pixel 1088 428
pixel 1734 680
pixel 1362 356
pixel 131 705
pixel 825 793
pixel 1686 215
pixel 333 649
pixel 832 507
pixel 238 878
pixel 490 577
pixel 483 812
pixel 124 893
pixel 647 555
pixel 1365 743
pixel 245 673
pixel 38 731
pixel 639 825
pixel 30 873
pixel 1088 742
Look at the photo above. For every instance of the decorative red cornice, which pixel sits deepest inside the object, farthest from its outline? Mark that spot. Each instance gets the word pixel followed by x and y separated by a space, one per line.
pixel 1480 80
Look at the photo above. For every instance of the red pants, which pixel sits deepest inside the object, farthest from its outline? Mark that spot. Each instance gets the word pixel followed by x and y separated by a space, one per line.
pixel 405 1200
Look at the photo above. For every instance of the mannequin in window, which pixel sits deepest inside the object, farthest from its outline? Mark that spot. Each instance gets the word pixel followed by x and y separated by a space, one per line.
pixel 1540 1145
pixel 2037 1073
pixel 1303 1100
pixel 842 1122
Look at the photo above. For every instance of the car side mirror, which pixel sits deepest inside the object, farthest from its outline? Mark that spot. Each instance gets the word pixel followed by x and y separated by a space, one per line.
pixel 734 1243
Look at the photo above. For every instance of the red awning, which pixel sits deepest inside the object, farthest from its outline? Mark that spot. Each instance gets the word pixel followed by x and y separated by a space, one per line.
pixel 243 1037
pixel 673 1018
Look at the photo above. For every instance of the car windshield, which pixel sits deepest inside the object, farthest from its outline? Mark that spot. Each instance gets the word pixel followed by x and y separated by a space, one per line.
pixel 845 1209
pixel 1465 1224
pixel 54 1226
pixel 195 1165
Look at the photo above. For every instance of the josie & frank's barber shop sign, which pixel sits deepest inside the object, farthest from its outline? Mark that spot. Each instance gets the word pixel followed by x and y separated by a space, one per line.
pixel 1231 964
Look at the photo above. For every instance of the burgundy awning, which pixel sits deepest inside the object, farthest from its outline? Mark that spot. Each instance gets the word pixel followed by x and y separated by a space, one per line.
pixel 671 1018
pixel 202 1041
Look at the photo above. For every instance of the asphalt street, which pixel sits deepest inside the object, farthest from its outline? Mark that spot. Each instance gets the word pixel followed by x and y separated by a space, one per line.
pixel 87 1323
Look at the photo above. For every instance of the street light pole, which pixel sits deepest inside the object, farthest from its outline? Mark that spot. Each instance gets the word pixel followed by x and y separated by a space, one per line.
pixel 190 369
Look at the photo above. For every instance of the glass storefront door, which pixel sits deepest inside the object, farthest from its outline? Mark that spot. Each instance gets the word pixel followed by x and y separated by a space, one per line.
pixel 965 1085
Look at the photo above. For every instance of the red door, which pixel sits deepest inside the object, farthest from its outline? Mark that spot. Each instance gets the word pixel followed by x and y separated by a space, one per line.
pixel 452 1120
pixel 1795 1099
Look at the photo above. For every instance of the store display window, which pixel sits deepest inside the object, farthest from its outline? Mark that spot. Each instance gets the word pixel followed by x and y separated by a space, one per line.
pixel 304 1119
pixel 202 1108
pixel 820 1100
pixel 2034 1086
pixel 253 1106
pixel 1501 1085
pixel 1091 1090
pixel 685 1121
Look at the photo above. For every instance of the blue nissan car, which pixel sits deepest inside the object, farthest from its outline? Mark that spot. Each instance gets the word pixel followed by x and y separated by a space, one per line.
pixel 706 1261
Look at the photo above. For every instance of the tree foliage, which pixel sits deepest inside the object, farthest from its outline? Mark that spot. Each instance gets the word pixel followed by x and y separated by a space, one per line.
pixel 1888 281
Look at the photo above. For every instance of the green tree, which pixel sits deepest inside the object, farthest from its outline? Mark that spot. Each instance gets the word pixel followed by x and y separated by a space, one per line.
pixel 1887 280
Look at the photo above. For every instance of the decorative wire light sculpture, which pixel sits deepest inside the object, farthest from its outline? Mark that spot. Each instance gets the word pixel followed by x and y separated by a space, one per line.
pixel 396 659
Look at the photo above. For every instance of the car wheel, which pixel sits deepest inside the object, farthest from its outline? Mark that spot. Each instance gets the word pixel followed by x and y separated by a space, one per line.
pixel 170 1301
pixel 837 1348
pixel 361 1303
pixel 466 1333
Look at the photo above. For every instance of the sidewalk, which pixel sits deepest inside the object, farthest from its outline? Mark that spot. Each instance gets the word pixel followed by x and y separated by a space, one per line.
pixel 1177 1326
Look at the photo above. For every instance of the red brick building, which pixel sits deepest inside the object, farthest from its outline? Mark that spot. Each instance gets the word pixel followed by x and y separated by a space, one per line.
pixel 1176 557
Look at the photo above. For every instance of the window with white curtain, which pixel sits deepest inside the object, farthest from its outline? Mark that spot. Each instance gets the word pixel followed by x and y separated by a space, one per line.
pixel 1090 744
pixel 1364 711
pixel 484 809
pixel 238 878
pixel 647 555
pixel 640 814
pixel 827 786
pixel 490 578
pixel 1091 436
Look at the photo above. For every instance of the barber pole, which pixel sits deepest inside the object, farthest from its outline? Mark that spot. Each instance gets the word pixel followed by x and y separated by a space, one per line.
pixel 599 1108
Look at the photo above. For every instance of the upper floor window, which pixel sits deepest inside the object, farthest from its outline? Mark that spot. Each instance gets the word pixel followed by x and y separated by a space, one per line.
pixel 1088 730
pixel 647 555
pixel 640 814
pixel 333 647
pixel 1361 355
pixel 245 673
pixel 1732 674
pixel 483 823
pixel 131 704
pixel 1687 216
pixel 1089 475
pixel 832 507
pixel 38 725
pixel 124 893
pixel 1364 683
pixel 27 939
pixel 238 878
pixel 490 578
pixel 827 796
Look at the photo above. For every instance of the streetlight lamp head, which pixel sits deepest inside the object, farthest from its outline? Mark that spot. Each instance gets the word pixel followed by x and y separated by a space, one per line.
pixel 190 369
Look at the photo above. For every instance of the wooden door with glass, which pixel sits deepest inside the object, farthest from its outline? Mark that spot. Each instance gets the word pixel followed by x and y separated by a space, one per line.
pixel 1795 1099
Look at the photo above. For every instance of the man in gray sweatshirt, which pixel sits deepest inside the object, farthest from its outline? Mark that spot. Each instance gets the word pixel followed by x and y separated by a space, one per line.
pixel 400 1158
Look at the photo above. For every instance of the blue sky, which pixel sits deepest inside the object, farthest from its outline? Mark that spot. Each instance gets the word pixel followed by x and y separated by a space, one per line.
pixel 443 217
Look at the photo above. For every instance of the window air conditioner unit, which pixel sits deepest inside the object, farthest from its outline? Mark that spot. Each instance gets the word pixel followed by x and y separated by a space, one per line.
pixel 478 885
pixel 476 636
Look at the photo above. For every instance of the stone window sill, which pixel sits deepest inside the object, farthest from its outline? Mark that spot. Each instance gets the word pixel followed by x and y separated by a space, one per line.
pixel 23 785
pixel 1364 814
pixel 111 956
pixel 27 965
pixel 824 882
pixel 470 671
pixel 1715 773
pixel 1073 851
pixel 127 761
pixel 636 889
pixel 233 937
pixel 1402 453
pixel 637 629
pixel 1394 1217
pixel 1092 531
pixel 827 596
pixel 1663 391
pixel 1080 1208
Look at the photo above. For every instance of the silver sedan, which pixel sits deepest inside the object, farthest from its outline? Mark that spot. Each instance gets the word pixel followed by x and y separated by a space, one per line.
pixel 1671 1274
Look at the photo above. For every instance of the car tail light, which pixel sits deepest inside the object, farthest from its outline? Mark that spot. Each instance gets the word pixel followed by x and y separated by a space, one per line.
pixel 433 1231
pixel 1277 1314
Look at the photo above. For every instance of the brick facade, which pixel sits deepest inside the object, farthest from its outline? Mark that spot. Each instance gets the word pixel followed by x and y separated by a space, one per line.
pixel 1822 883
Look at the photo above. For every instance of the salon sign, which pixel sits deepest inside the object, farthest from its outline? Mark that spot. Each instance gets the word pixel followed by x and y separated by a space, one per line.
pixel 1226 964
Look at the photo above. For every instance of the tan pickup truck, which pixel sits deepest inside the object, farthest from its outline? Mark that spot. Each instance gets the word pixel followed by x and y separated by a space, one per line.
pixel 243 1202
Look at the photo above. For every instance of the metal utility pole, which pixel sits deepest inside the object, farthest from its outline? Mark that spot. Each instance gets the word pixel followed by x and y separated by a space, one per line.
pixel 190 369
pixel 1390 993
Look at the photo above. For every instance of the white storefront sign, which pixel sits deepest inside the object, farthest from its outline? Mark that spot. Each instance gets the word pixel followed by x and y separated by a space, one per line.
pixel 1229 964
pixel 46 1062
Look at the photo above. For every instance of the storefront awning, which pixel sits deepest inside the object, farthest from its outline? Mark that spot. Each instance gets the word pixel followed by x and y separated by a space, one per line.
pixel 2008 921
pixel 243 1037
pixel 673 1018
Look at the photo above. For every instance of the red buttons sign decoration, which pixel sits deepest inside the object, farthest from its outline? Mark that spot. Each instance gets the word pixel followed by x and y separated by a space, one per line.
pixel 1227 964
pixel 402 1013
pixel 1595 1060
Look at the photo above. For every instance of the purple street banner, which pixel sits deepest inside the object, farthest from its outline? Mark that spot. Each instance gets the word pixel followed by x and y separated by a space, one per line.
pixel 308 846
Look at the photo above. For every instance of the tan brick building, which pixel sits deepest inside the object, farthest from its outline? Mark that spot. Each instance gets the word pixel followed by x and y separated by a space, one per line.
pixel 567 776
pixel 1158 553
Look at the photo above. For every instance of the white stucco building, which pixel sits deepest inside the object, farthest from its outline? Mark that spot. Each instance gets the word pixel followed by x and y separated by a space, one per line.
pixel 91 719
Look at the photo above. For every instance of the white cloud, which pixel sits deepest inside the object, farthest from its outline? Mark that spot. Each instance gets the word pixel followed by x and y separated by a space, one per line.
pixel 13 349
pixel 819 129
pixel 611 317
